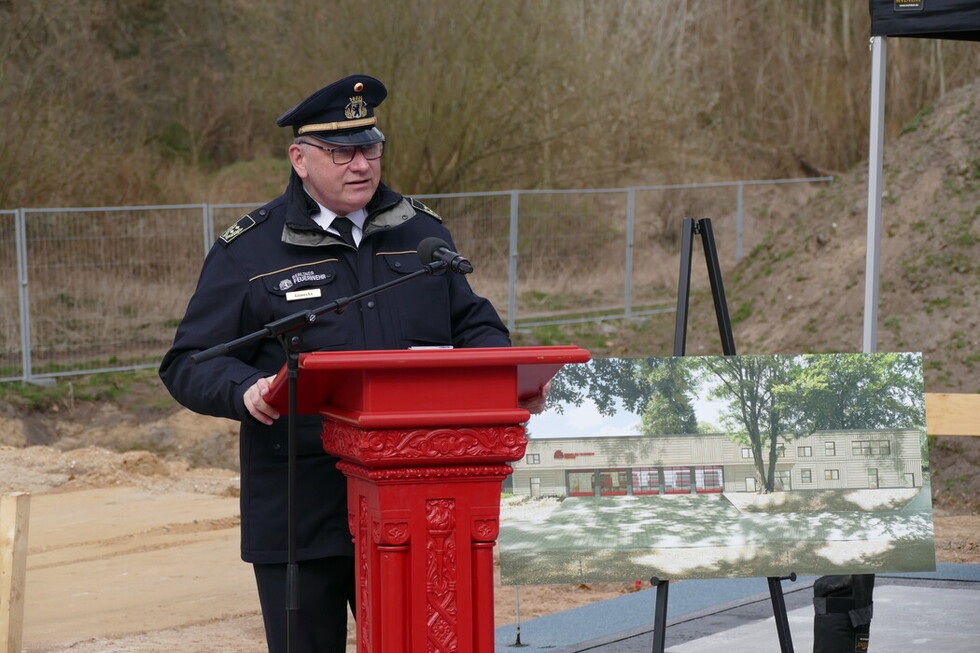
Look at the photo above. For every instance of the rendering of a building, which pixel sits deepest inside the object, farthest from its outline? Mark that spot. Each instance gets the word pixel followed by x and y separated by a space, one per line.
pixel 713 463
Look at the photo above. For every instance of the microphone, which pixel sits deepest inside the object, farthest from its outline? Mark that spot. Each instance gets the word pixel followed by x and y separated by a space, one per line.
pixel 436 249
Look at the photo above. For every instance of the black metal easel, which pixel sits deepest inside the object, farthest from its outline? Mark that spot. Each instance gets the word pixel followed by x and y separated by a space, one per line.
pixel 689 229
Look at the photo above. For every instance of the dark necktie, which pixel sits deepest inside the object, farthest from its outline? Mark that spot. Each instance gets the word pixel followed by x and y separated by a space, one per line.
pixel 344 227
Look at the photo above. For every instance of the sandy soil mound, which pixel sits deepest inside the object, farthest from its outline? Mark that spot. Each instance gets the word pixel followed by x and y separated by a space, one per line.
pixel 138 551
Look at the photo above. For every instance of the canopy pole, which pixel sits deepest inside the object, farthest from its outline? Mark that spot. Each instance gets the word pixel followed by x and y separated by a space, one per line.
pixel 876 139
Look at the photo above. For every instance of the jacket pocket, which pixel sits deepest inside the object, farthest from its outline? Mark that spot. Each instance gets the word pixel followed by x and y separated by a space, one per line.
pixel 307 287
pixel 421 307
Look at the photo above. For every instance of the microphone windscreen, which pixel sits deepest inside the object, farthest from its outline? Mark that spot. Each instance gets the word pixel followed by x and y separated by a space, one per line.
pixel 428 247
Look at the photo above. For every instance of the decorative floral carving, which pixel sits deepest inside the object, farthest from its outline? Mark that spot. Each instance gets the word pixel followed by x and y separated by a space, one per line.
pixel 393 534
pixel 485 530
pixel 352 523
pixel 441 574
pixel 363 562
pixel 440 514
pixel 500 471
pixel 367 445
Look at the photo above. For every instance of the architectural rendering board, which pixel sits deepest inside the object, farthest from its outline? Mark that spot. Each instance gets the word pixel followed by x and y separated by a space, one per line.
pixel 729 466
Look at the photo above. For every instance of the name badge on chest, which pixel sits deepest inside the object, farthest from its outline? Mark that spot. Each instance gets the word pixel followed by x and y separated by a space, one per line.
pixel 308 293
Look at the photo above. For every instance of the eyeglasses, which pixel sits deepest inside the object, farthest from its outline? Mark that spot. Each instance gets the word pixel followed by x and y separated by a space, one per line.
pixel 345 153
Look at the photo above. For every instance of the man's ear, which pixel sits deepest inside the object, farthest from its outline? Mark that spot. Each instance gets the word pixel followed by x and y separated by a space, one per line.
pixel 297 158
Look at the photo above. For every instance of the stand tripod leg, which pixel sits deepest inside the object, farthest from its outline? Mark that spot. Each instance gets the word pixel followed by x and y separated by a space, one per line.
pixel 688 229
pixel 717 287
pixel 660 615
pixel 779 612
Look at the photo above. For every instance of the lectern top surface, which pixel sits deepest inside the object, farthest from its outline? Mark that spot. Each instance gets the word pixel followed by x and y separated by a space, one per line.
pixel 439 357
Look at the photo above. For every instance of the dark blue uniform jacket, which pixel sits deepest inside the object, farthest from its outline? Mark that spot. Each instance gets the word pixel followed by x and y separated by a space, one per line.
pixel 274 262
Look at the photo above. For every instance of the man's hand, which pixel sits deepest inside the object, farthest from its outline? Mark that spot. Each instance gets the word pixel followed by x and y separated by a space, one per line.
pixel 535 403
pixel 255 401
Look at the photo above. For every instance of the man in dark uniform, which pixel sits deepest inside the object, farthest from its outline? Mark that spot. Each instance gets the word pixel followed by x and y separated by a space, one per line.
pixel 337 230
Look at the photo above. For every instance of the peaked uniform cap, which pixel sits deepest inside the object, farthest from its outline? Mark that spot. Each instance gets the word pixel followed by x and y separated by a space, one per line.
pixel 341 113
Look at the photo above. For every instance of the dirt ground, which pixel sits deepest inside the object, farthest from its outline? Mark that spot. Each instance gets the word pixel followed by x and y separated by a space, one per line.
pixel 138 550
pixel 151 567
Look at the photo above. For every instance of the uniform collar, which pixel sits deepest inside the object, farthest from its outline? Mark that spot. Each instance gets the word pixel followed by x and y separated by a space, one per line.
pixel 324 216
pixel 300 207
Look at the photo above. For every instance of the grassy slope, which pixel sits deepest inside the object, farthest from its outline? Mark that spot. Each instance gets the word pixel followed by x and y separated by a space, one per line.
pixel 803 289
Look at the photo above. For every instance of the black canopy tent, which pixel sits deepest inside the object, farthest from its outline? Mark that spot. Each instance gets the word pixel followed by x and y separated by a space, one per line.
pixel 928 19
pixel 943 19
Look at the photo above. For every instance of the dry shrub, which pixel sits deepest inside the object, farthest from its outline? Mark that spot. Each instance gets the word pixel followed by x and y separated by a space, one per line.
pixel 142 103
pixel 125 102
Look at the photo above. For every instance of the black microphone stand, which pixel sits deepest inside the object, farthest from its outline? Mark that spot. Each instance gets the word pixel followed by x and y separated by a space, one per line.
pixel 283 330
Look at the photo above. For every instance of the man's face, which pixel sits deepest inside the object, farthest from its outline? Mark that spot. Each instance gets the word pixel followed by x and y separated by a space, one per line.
pixel 342 188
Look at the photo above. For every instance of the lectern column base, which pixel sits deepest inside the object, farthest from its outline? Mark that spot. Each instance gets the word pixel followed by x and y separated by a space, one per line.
pixel 424 509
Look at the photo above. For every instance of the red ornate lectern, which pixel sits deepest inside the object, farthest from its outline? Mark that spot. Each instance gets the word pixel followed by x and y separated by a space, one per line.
pixel 425 437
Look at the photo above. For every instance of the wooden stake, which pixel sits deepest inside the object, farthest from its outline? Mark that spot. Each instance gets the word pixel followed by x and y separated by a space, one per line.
pixel 14 514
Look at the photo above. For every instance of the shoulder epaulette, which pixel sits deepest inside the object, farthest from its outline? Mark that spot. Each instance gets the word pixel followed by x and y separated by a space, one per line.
pixel 246 222
pixel 419 206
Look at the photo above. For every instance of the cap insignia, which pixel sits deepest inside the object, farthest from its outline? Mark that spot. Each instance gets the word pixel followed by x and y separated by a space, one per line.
pixel 357 108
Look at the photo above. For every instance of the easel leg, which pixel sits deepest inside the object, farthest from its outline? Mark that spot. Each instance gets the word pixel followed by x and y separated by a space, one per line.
pixel 688 230
pixel 717 287
pixel 660 615
pixel 779 612
pixel 683 287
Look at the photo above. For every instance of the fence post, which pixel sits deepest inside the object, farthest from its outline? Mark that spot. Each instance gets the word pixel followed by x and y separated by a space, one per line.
pixel 14 514
pixel 23 293
pixel 207 220
pixel 512 264
pixel 739 222
pixel 630 240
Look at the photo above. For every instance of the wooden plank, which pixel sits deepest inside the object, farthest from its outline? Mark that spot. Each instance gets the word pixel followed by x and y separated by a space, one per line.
pixel 952 414
pixel 14 514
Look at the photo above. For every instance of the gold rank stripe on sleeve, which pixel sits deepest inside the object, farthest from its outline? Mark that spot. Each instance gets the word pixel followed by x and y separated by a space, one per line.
pixel 293 267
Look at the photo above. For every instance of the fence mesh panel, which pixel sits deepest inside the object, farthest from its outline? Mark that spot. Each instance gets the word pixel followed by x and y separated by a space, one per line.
pixel 570 253
pixel 480 225
pixel 11 349
pixel 106 287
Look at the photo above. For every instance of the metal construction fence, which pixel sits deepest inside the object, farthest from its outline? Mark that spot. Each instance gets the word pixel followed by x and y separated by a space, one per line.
pixel 87 290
